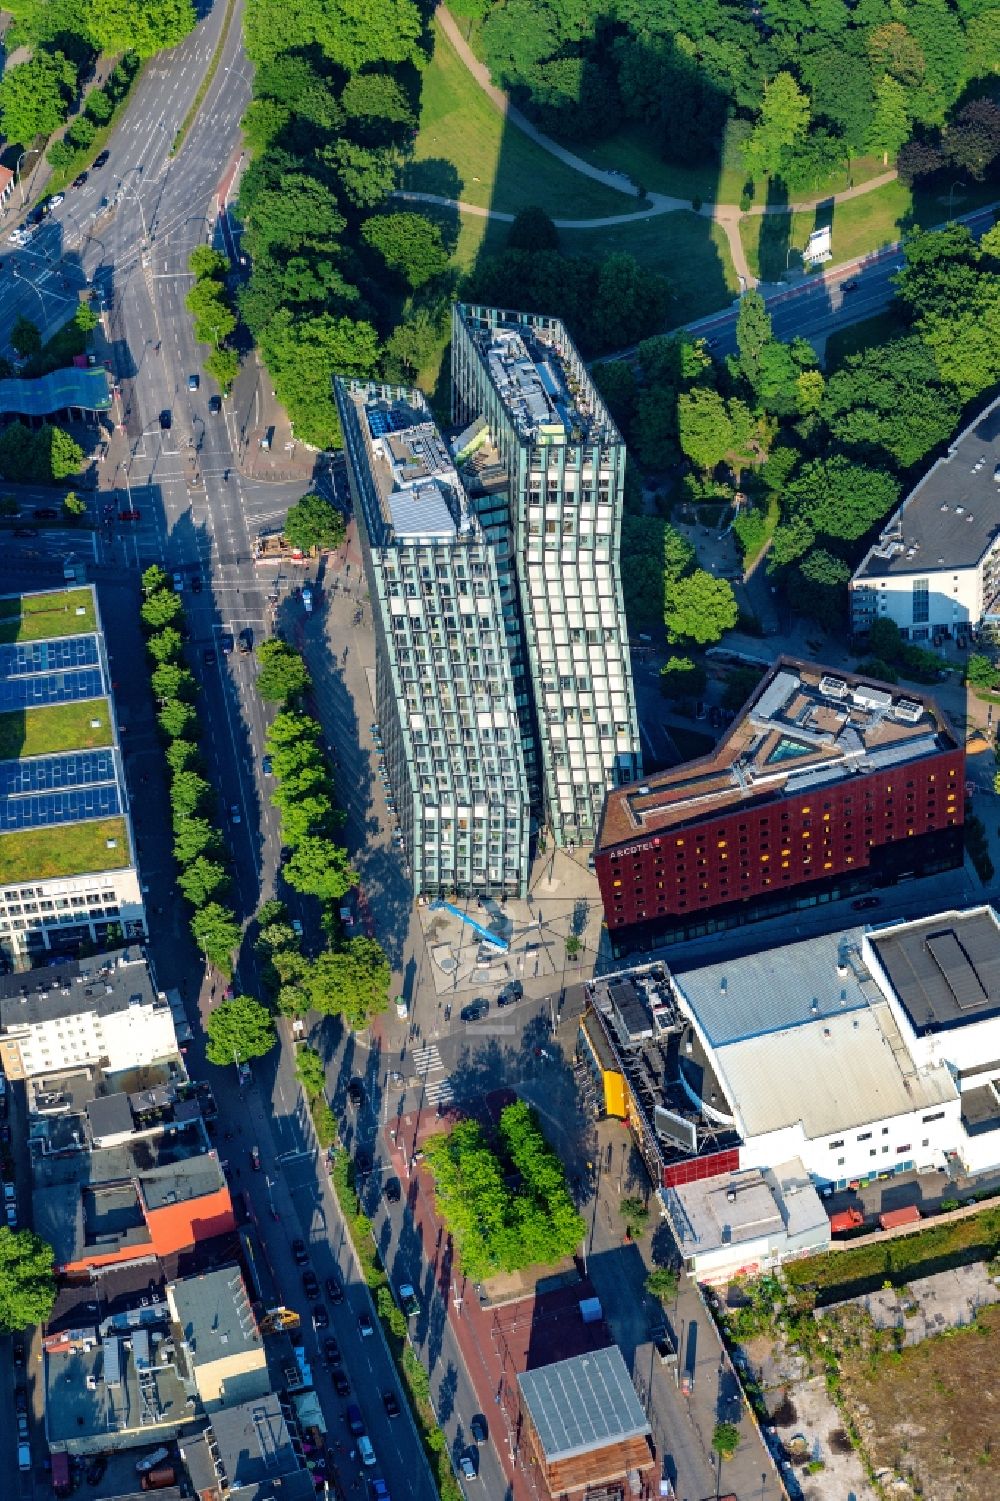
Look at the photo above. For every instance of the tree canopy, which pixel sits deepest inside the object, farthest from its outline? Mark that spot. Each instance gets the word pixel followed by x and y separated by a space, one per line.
pixel 700 608
pixel 239 1030
pixel 27 1284
pixel 313 523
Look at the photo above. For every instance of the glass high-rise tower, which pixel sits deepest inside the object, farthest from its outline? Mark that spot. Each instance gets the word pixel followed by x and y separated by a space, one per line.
pixel 445 698
pixel 544 465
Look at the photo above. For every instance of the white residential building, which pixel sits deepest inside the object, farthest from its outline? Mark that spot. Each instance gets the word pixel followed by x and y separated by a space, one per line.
pixel 67 853
pixel 935 569
pixel 98 1011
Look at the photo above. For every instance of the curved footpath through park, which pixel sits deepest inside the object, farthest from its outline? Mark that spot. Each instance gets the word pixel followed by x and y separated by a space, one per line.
pixel 727 215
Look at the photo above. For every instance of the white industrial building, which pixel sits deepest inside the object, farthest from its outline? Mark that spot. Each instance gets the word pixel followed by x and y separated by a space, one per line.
pixel 935 569
pixel 76 1013
pixel 860 1053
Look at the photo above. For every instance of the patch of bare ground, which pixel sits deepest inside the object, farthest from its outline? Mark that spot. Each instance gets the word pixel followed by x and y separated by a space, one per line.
pixel 927 1414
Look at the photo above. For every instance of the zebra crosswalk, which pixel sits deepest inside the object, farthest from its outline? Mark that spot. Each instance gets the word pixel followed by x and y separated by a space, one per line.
pixel 439 1092
pixel 426 1060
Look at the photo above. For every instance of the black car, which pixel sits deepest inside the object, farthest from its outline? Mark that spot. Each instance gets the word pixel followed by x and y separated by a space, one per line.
pixel 196 584
pixel 331 1351
pixel 341 1385
pixel 299 1252
pixel 512 992
pixel 215 405
pixel 310 1284
pixel 166 419
pixel 866 903
pixel 101 161
pixel 227 643
pixel 96 1469
pixel 21 1400
pixel 850 286
pixel 80 179
pixel 475 1010
pixel 321 1319
pixel 333 1290
pixel 479 1428
pixel 392 1190
pixel 365 1326
pixel 246 641
pixel 19 1351
pixel 208 657
pixel 391 1404
pixel 356 1093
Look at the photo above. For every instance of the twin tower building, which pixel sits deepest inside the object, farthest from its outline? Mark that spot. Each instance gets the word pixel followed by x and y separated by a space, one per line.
pixel 503 680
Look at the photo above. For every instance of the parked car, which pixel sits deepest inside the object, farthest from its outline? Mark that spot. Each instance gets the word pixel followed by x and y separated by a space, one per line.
pixel 475 1010
pixel 299 1253
pixel 23 1458
pixel 391 1404
pixel 18 1348
pixel 310 1284
pixel 22 1427
pixel 365 1326
pixel 20 1400
pixel 512 992
pixel 866 903
pixel 55 201
pixel 101 160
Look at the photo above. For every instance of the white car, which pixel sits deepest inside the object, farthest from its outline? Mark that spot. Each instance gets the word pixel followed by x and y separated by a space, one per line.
pixel 24 1458
pixel 55 202
pixel 365 1450
pixel 16 237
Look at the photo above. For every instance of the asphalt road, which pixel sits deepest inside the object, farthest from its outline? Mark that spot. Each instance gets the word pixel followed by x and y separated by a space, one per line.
pixel 819 305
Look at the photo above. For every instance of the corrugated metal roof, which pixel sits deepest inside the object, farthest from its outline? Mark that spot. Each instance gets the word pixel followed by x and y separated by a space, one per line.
pixel 421 511
pixel 583 1403
pixel 777 988
pixel 837 1073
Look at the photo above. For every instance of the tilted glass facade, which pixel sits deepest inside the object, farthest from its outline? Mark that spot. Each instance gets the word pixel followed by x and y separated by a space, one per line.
pixel 545 468
pixel 444 689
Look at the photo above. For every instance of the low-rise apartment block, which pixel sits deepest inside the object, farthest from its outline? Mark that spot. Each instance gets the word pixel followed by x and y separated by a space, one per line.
pixel 67 853
pixel 79 1012
pixel 935 569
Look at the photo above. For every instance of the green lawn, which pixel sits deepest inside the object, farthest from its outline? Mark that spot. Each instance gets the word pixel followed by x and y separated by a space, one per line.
pixel 860 226
pixel 60 727
pixel 633 151
pixel 40 617
pixel 465 149
pixel 690 250
pixel 67 850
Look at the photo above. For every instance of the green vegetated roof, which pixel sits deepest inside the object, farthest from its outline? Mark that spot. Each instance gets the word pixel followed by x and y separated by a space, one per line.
pixel 56 727
pixel 74 387
pixel 43 617
pixel 64 850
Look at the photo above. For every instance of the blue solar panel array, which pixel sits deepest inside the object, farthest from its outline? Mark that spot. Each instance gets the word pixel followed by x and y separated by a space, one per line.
pixel 51 688
pixel 27 657
pixel 40 810
pixel 50 773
